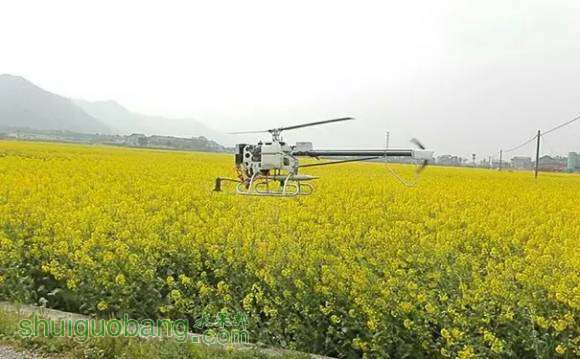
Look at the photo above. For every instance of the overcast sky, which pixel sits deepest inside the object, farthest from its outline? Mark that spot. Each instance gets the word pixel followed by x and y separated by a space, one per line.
pixel 462 76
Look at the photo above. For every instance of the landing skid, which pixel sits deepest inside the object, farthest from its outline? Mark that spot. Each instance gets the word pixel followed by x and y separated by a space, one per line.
pixel 271 186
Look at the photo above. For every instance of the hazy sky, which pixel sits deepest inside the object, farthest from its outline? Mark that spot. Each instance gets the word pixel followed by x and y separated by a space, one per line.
pixel 462 76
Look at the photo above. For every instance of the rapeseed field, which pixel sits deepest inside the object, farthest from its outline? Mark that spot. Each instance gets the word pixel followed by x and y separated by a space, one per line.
pixel 469 263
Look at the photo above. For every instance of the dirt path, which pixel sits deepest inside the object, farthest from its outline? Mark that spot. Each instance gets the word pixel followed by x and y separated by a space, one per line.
pixel 26 310
pixel 9 353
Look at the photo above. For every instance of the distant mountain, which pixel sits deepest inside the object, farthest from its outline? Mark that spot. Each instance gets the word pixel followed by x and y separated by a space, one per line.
pixel 25 105
pixel 125 122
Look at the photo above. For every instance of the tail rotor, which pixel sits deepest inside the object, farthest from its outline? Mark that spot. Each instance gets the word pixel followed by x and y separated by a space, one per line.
pixel 422 154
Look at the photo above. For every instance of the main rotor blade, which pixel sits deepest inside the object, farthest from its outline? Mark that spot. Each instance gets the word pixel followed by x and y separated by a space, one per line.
pixel 313 124
pixel 245 132
pixel 277 130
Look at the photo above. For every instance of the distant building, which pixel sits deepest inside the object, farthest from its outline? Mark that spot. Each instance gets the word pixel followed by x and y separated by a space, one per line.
pixel 521 163
pixel 554 164
pixel 449 160
pixel 484 163
pixel 498 164
pixel 573 162
pixel 136 140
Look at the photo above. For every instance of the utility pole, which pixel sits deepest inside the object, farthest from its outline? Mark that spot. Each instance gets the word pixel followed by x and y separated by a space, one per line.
pixel 500 158
pixel 537 154
pixel 387 137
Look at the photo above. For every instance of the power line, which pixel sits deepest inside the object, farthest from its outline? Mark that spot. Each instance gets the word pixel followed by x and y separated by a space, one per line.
pixel 539 137
pixel 546 144
pixel 562 125
pixel 543 134
pixel 521 145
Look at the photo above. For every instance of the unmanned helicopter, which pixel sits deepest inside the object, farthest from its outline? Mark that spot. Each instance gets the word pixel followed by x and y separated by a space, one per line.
pixel 271 168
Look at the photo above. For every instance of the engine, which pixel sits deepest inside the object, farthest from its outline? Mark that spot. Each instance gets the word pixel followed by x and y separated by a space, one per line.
pixel 265 158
